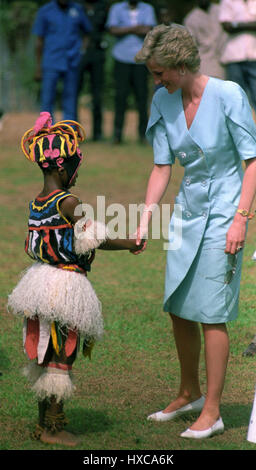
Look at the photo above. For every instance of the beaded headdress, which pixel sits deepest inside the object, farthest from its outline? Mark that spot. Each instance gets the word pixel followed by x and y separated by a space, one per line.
pixel 54 146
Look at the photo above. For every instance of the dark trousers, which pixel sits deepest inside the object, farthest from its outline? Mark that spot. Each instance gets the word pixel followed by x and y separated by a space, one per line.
pixel 93 64
pixel 244 73
pixel 69 98
pixel 127 77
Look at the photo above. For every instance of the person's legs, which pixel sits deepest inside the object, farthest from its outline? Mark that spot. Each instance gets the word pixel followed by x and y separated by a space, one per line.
pixel 140 86
pixel 51 417
pixel 188 343
pixel 122 88
pixel 54 422
pixel 48 90
pixel 235 73
pixel 250 77
pixel 70 93
pixel 97 81
pixel 82 69
pixel 216 359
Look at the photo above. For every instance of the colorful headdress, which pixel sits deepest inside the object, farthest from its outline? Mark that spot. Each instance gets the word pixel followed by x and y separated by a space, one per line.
pixel 54 146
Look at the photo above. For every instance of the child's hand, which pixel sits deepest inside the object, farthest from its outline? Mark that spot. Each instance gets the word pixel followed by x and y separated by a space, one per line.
pixel 138 247
pixel 140 240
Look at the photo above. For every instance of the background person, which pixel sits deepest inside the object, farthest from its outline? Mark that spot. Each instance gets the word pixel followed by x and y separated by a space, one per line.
pixel 129 21
pixel 203 22
pixel 93 59
pixel 206 124
pixel 238 18
pixel 60 26
pixel 165 14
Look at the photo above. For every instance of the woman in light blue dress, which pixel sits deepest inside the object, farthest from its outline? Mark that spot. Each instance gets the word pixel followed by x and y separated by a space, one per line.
pixel 206 124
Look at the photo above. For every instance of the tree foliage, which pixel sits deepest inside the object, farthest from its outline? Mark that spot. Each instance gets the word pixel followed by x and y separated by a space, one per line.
pixel 16 20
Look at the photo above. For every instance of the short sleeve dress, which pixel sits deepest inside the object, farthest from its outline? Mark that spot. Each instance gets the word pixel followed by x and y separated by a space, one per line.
pixel 202 282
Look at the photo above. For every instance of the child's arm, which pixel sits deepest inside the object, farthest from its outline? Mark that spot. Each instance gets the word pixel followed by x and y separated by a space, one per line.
pixel 120 244
pixel 68 209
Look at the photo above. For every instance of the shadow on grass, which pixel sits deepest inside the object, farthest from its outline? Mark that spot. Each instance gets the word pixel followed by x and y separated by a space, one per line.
pixel 234 415
pixel 82 420
pixel 90 421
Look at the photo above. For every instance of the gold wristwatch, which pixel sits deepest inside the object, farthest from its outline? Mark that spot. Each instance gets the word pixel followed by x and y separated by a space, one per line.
pixel 245 213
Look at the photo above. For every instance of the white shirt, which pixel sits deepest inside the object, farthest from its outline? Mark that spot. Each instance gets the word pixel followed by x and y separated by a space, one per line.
pixel 134 16
pixel 239 46
pixel 210 38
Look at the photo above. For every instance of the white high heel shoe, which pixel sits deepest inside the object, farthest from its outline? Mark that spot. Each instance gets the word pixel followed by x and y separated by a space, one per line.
pixel 217 428
pixel 192 407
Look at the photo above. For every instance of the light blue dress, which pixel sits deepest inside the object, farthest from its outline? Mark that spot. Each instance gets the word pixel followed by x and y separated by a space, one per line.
pixel 202 282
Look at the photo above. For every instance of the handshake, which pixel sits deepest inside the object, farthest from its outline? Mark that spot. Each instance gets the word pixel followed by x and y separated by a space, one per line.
pixel 135 244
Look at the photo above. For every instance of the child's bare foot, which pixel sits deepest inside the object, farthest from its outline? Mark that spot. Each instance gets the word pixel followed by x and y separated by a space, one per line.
pixel 62 437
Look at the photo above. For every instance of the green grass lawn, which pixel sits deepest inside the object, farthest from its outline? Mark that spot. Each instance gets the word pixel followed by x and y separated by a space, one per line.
pixel 134 370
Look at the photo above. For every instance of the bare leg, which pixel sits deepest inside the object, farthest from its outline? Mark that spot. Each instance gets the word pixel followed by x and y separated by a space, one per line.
pixel 216 358
pixel 57 435
pixel 188 344
pixel 51 413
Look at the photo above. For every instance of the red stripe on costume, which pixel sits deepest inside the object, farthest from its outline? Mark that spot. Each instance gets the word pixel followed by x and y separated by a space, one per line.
pixel 26 244
pixel 50 250
pixel 71 343
pixel 32 337
pixel 50 228
pixel 49 195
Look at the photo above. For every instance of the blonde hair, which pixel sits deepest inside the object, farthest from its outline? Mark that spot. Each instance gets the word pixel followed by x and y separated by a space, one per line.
pixel 171 46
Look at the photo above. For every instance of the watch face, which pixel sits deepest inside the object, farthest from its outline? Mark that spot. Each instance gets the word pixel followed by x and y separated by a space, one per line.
pixel 243 212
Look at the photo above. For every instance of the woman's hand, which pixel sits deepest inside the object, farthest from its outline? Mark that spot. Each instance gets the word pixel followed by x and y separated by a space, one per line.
pixel 140 240
pixel 236 235
pixel 237 231
pixel 139 246
pixel 157 184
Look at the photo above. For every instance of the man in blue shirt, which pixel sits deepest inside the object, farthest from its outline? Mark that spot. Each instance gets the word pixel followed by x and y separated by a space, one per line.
pixel 129 22
pixel 60 26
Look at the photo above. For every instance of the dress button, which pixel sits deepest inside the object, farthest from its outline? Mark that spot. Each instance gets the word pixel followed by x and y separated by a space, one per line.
pixel 187 181
pixel 188 214
pixel 182 154
pixel 204 183
pixel 204 214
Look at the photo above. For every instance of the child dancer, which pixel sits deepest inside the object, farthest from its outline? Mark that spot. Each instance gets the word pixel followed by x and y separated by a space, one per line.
pixel 58 303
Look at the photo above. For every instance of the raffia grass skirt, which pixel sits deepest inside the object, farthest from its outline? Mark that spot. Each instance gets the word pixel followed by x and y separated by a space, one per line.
pixel 55 294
